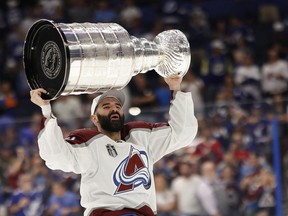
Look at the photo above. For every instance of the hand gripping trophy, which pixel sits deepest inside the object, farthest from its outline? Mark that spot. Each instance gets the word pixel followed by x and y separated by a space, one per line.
pixel 84 58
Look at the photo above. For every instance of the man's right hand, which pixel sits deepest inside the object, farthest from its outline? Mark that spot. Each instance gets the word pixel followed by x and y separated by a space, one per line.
pixel 36 97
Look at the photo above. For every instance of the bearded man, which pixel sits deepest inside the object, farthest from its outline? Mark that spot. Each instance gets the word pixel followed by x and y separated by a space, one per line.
pixel 116 160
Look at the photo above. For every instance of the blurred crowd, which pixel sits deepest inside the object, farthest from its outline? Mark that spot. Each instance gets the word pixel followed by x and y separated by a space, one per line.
pixel 239 81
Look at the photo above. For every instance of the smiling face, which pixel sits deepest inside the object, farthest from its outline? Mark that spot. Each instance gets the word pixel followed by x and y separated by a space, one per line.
pixel 109 115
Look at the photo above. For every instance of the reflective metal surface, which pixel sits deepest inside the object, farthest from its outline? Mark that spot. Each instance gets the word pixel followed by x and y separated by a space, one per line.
pixel 84 58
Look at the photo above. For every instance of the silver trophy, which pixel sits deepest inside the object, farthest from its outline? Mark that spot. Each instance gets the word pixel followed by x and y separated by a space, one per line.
pixel 80 58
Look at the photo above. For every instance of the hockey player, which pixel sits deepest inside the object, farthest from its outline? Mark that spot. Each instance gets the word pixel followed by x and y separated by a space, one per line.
pixel 116 160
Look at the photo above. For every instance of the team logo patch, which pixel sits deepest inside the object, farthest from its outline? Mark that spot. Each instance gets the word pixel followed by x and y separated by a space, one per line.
pixel 132 172
pixel 51 60
pixel 111 150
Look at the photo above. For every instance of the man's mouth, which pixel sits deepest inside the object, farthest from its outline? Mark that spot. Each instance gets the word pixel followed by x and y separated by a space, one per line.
pixel 115 116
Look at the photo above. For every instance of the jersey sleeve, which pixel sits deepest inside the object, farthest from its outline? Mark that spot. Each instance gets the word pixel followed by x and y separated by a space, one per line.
pixel 181 129
pixel 62 154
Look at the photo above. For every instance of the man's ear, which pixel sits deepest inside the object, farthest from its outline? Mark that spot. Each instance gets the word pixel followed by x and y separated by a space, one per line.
pixel 94 119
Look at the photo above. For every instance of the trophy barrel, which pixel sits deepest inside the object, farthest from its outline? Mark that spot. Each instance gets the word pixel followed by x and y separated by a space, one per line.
pixel 77 58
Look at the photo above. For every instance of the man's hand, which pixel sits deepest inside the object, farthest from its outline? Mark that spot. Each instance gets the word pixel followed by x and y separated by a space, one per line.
pixel 174 82
pixel 23 202
pixel 36 97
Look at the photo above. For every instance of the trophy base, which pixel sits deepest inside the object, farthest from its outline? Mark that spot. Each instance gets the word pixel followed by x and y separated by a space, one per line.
pixel 45 59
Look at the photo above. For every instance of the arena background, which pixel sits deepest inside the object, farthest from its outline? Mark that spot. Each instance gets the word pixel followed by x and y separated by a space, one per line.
pixel 242 123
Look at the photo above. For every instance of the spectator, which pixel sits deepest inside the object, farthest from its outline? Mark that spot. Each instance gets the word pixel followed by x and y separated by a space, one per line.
pixel 9 137
pixel 274 75
pixel 28 135
pixel 33 13
pixel 240 51
pixel 248 81
pixel 185 187
pixel 40 173
pixel 165 197
pixel 226 96
pixel 14 63
pixel 249 190
pixel 212 194
pixel 238 146
pixel 230 161
pixel 63 202
pixel 237 29
pixel 103 13
pixel 8 98
pixel 3 209
pixel 198 33
pixel 26 200
pixel 142 95
pixel 6 157
pixel 266 201
pixel 234 116
pixel 167 167
pixel 220 130
pixel 13 12
pixel 214 70
pixel 251 166
pixel 141 92
pixel 70 109
pixel 19 165
pixel 170 11
pixel 193 84
pixel 135 23
pixel 258 130
pixel 280 34
pixel 78 11
pixel 162 94
pixel 209 148
pixel 129 13
pixel 228 179
pixel 221 31
pixel 157 28
pixel 52 9
pixel 258 193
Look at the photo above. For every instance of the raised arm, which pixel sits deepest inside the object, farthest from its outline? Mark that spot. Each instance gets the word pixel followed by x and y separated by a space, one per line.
pixel 182 125
pixel 57 153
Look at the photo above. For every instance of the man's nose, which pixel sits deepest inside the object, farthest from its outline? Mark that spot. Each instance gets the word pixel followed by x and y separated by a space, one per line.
pixel 114 108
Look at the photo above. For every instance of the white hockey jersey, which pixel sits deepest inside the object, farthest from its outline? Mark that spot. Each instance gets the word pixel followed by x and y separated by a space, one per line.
pixel 117 175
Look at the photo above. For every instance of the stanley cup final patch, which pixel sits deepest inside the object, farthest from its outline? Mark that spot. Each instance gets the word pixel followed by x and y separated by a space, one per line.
pixel 111 150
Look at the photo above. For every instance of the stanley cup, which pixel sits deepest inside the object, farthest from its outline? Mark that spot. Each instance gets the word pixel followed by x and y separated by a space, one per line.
pixel 73 59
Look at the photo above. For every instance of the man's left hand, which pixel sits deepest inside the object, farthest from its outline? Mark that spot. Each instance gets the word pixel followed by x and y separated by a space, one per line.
pixel 174 82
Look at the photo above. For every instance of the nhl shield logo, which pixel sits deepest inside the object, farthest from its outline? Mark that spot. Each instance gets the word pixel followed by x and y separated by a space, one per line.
pixel 111 150
pixel 51 60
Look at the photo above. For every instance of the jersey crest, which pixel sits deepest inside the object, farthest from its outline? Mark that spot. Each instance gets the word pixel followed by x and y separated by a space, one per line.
pixel 132 172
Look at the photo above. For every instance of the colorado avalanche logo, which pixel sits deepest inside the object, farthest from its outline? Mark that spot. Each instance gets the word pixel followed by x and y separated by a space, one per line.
pixel 132 172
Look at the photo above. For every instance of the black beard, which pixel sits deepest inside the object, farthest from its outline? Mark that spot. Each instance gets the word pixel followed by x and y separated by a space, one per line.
pixel 109 125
